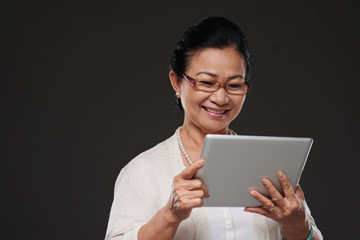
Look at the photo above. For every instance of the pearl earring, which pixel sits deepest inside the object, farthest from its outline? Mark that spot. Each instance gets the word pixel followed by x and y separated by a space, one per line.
pixel 177 94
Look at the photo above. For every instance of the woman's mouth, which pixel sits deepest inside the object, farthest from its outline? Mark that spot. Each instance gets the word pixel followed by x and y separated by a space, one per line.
pixel 214 112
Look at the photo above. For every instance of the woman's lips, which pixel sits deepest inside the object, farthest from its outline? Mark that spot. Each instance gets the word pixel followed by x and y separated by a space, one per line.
pixel 215 112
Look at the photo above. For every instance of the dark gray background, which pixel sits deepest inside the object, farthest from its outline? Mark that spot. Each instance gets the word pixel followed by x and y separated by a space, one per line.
pixel 85 89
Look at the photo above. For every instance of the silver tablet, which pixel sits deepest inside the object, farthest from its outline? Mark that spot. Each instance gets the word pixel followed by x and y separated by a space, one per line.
pixel 236 164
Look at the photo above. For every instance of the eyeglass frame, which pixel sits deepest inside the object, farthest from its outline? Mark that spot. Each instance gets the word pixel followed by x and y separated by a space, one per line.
pixel 193 82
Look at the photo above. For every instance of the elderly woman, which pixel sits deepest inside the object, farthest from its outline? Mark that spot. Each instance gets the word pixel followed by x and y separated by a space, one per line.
pixel 156 195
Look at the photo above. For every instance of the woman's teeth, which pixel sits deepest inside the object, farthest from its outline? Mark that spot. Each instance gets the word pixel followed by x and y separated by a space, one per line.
pixel 214 111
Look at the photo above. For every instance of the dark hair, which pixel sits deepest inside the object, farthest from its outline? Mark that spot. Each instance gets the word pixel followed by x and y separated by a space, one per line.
pixel 211 32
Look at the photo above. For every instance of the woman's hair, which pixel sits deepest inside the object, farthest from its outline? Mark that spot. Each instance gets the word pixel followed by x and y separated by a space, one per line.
pixel 211 32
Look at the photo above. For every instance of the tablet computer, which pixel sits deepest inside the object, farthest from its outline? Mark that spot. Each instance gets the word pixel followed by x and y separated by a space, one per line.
pixel 234 165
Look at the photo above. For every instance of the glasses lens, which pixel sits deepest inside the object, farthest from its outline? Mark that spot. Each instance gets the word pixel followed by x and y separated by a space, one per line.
pixel 207 85
pixel 237 88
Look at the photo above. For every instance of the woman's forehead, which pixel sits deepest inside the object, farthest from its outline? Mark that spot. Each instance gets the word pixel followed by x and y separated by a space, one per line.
pixel 214 62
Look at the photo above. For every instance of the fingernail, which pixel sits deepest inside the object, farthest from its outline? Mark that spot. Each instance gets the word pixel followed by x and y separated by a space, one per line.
pixel 252 193
pixel 265 181
pixel 201 162
pixel 281 174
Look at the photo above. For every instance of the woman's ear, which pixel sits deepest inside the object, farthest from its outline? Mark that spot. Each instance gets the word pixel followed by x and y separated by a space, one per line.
pixel 175 82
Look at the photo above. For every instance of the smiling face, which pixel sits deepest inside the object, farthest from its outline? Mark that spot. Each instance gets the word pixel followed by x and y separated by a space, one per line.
pixel 211 112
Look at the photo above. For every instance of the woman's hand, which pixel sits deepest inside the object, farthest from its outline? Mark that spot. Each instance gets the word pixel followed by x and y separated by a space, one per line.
pixel 288 210
pixel 188 192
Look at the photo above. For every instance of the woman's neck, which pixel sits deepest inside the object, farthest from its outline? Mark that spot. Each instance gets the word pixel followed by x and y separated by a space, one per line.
pixel 192 138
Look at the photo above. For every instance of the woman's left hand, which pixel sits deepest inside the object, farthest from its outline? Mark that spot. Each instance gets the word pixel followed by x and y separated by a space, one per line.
pixel 288 210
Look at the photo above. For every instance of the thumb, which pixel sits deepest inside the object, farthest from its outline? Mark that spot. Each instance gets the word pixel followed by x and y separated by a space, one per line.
pixel 191 170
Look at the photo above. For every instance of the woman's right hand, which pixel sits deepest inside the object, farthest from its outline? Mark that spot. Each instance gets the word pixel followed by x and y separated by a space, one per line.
pixel 188 192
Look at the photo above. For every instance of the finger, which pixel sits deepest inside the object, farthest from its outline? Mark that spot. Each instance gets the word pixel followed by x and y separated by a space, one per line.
pixel 191 203
pixel 299 193
pixel 258 210
pixel 190 171
pixel 198 184
pixel 190 185
pixel 286 186
pixel 267 203
pixel 194 184
pixel 206 191
pixel 274 193
pixel 193 194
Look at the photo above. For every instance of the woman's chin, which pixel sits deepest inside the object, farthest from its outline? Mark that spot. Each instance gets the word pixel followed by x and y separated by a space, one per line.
pixel 213 129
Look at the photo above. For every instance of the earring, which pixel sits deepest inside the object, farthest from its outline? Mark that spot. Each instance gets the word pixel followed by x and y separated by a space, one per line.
pixel 177 94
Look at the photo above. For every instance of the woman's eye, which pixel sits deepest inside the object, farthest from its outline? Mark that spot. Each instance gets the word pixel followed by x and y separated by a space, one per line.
pixel 235 86
pixel 207 83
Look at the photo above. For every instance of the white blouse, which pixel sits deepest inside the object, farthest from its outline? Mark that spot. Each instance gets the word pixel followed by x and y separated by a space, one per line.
pixel 229 223
pixel 143 187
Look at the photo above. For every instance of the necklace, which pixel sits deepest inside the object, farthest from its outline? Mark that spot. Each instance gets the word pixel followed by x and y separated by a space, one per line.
pixel 181 146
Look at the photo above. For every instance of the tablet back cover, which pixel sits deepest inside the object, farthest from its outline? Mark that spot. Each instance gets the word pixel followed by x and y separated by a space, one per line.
pixel 236 164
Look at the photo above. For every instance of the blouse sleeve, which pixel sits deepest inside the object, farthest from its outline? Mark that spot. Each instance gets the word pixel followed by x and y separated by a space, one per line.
pixel 128 212
pixel 312 221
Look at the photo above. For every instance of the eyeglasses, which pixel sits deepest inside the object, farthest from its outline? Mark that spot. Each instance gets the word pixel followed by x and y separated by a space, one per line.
pixel 235 87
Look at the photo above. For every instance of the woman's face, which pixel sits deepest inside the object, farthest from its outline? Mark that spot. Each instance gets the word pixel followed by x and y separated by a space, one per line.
pixel 212 112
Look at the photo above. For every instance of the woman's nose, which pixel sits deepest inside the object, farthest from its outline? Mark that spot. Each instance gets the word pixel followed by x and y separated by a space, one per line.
pixel 220 97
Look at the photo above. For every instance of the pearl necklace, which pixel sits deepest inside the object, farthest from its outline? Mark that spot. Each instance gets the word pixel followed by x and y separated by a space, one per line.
pixel 181 146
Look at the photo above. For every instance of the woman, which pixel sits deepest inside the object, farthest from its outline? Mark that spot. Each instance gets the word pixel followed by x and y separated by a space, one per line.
pixel 156 195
